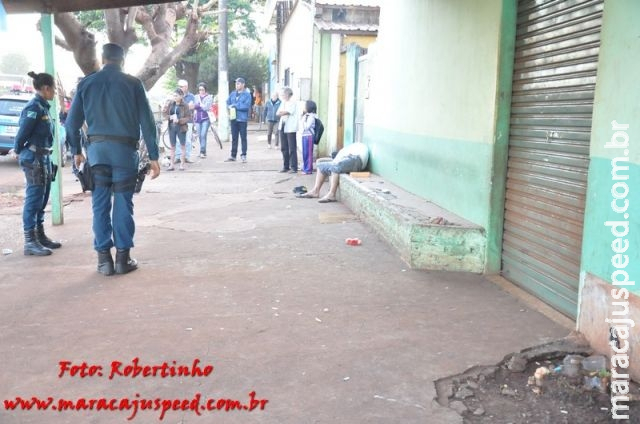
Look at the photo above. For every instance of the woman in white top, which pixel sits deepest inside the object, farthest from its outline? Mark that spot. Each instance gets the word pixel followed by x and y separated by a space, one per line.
pixel 288 129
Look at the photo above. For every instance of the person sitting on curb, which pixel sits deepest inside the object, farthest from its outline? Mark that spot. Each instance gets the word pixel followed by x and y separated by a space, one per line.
pixel 352 158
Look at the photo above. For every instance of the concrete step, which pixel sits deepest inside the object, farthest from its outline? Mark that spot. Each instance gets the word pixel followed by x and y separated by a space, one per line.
pixel 425 235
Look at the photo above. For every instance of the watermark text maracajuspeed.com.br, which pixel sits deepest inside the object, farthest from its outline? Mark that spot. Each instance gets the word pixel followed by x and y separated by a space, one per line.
pixel 196 404
pixel 134 370
pixel 620 324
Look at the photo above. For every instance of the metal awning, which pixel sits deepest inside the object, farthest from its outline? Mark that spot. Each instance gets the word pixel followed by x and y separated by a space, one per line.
pixel 55 6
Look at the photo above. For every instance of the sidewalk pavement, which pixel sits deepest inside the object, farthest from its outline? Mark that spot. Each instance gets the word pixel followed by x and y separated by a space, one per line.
pixel 237 273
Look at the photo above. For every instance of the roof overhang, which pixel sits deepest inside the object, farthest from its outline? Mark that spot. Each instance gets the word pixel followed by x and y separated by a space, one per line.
pixel 269 12
pixel 56 6
pixel 344 28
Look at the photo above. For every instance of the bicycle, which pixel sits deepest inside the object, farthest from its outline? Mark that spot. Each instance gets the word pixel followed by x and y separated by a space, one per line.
pixel 215 134
pixel 163 134
pixel 144 163
pixel 196 134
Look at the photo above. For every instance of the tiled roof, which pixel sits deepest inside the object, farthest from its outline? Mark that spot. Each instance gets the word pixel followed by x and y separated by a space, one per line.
pixel 344 27
pixel 354 3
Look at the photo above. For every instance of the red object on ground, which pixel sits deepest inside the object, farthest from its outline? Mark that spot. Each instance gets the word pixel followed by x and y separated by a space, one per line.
pixel 353 242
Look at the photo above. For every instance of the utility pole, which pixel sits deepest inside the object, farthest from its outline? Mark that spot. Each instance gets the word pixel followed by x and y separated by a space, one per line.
pixel 223 70
pixel 48 39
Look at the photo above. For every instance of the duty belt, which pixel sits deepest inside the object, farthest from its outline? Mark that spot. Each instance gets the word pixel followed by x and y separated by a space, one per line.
pixel 40 150
pixel 115 138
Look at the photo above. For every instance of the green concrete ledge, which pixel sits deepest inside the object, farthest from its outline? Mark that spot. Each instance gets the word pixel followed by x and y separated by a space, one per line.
pixel 425 235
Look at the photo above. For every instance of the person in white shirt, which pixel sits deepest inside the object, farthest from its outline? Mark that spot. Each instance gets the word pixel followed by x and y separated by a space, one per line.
pixel 352 158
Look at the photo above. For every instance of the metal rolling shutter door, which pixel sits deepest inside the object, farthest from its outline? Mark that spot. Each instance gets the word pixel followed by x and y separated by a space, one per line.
pixel 557 44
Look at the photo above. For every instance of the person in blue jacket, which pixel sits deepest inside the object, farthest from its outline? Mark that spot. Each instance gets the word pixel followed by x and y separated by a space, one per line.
pixel 117 111
pixel 33 143
pixel 239 104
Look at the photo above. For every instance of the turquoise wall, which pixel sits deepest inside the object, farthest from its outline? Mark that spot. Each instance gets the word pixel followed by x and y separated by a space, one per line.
pixel 617 99
pixel 452 173
pixel 597 251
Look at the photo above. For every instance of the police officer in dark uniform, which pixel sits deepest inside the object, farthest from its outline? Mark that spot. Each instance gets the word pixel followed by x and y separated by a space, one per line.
pixel 116 110
pixel 33 143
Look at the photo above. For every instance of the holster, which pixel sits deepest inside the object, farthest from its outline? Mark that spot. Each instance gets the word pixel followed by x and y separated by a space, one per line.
pixel 35 173
pixel 85 177
pixel 142 173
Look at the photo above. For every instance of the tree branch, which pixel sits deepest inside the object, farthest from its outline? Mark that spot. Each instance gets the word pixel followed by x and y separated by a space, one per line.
pixel 131 17
pixel 157 21
pixel 117 29
pixel 79 40
pixel 208 6
pixel 63 43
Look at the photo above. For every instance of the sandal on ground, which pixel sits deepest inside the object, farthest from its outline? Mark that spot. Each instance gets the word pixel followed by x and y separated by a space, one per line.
pixel 306 196
pixel 300 189
pixel 171 168
pixel 327 200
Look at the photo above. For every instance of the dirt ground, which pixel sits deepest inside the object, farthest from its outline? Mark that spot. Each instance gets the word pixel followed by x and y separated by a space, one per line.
pixel 507 393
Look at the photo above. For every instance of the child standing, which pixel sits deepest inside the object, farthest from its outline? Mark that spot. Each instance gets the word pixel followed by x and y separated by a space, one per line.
pixel 308 131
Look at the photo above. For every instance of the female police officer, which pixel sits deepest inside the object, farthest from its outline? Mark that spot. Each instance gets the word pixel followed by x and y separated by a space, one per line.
pixel 33 143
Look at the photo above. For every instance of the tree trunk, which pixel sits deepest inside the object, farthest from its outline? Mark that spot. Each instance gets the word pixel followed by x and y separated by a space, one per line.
pixel 159 29
pixel 80 41
pixel 188 71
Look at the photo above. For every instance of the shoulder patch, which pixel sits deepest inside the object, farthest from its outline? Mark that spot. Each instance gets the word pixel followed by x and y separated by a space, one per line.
pixel 32 115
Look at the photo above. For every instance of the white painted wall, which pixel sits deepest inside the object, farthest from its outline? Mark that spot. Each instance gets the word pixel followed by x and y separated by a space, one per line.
pixel 298 39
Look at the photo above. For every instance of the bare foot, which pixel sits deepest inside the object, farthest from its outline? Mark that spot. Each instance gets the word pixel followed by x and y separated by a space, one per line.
pixel 309 195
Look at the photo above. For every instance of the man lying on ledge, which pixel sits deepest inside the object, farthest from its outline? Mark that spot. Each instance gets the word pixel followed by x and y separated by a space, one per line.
pixel 352 158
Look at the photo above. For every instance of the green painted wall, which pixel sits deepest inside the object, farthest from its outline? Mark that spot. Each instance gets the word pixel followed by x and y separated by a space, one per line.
pixel 495 226
pixel 431 117
pixel 597 251
pixel 617 99
pixel 320 78
pixel 452 173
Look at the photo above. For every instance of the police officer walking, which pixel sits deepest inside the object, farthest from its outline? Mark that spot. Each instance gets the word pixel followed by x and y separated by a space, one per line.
pixel 34 142
pixel 116 110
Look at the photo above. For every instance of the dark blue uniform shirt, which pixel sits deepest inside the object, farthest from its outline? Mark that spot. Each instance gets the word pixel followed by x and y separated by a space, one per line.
pixel 113 104
pixel 36 125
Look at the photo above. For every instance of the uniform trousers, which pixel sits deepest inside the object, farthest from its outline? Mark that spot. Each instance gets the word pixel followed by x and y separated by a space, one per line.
pixel 114 167
pixel 36 192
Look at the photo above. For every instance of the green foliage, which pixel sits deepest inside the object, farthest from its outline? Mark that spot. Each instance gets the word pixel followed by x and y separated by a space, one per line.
pixel 241 25
pixel 92 20
pixel 14 63
pixel 207 57
pixel 251 66
pixel 170 80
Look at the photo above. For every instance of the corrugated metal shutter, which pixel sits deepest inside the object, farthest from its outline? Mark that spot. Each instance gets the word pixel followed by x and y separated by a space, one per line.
pixel 557 44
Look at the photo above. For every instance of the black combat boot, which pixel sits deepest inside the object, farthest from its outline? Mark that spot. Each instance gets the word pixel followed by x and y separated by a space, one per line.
pixel 105 262
pixel 32 246
pixel 124 263
pixel 44 240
